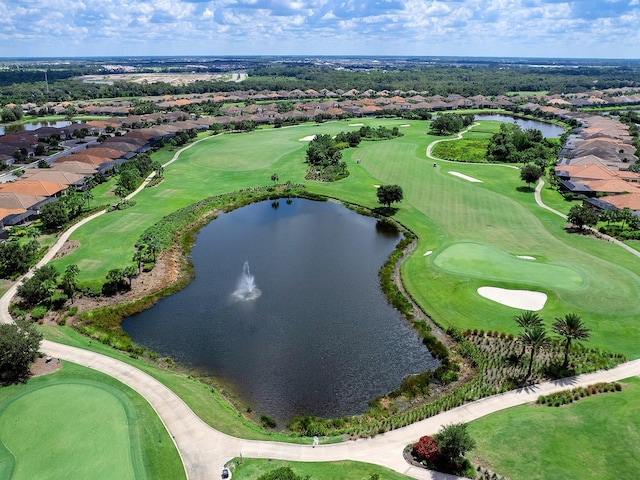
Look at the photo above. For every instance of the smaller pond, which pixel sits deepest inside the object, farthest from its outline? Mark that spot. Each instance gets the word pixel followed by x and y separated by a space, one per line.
pixel 29 126
pixel 548 130
pixel 286 307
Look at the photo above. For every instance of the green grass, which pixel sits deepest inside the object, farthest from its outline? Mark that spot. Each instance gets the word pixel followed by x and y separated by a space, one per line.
pixel 483 261
pixel 78 423
pixel 597 437
pixel 468 150
pixel 208 403
pixel 440 208
pixel 527 92
pixel 251 468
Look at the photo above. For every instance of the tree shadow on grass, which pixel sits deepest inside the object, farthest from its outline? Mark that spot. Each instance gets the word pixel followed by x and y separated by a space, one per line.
pixel 526 189
pixel 385 211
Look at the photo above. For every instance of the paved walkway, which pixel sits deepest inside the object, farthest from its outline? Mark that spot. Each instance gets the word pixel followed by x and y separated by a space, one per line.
pixel 205 450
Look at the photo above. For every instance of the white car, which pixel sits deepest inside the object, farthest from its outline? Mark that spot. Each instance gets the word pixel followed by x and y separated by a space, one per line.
pixel 226 473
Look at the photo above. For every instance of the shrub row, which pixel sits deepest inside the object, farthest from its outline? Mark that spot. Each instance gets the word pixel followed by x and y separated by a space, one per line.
pixel 195 215
pixel 569 396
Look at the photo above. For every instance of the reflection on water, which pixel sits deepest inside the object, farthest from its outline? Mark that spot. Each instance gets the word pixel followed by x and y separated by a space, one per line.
pixel 29 126
pixel 548 130
pixel 320 339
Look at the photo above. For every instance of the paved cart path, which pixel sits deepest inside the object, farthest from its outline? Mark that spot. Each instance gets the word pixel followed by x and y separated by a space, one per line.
pixel 205 450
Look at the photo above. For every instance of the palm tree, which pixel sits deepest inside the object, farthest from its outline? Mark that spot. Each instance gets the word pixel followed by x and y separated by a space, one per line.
pixel 570 327
pixel 69 282
pixel 527 320
pixel 87 196
pixel 536 338
pixel 49 286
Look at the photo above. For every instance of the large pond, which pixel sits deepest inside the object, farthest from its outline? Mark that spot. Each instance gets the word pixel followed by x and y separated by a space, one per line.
pixel 29 126
pixel 319 339
pixel 548 130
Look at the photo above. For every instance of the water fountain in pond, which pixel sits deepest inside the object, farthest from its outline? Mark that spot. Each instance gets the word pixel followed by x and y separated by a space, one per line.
pixel 246 289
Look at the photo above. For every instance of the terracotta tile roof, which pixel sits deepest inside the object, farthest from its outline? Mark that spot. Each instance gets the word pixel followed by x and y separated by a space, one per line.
pixel 588 172
pixel 33 187
pixel 614 185
pixel 5 212
pixel 84 158
pixel 51 175
pixel 628 176
pixel 13 200
pixel 104 152
pixel 75 167
pixel 593 159
pixel 629 200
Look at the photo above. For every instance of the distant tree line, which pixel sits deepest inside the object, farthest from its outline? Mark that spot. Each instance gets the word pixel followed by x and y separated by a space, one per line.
pixel 29 86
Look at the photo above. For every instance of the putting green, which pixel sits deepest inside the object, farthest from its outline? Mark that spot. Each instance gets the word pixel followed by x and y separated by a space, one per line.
pixel 68 430
pixel 482 261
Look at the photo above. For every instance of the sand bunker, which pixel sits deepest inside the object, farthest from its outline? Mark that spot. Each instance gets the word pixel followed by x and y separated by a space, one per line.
pixel 308 138
pixel 526 257
pixel 522 299
pixel 356 124
pixel 462 175
pixel 405 125
pixel 428 252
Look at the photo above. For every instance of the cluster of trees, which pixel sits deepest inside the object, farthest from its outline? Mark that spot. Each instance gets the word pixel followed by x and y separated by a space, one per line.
pixel 68 207
pixel 183 137
pixel 324 157
pixel 11 114
pixel 119 279
pixel 475 78
pixel 288 121
pixel 514 145
pixel 46 287
pixel 379 133
pixel 16 256
pixel 132 172
pixel 449 123
pixel 584 216
pixel 534 335
pixel 413 114
pixel 19 347
pixel 147 249
pixel 445 450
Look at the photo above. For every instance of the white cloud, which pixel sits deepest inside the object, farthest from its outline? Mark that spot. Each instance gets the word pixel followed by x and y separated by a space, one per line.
pixel 411 27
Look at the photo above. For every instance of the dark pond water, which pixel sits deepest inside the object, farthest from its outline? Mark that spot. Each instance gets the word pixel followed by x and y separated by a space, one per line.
pixel 320 339
pixel 548 129
pixel 32 126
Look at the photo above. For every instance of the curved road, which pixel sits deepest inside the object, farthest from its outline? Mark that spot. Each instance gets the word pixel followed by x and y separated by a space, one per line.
pixel 205 450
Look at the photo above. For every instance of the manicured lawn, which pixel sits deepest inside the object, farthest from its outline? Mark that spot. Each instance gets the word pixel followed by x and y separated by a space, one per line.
pixel 209 404
pixel 597 437
pixel 441 209
pixel 252 468
pixel 483 261
pixel 592 278
pixel 77 423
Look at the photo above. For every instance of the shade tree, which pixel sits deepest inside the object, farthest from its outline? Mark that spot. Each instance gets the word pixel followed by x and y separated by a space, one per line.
pixel 19 347
pixel 388 194
pixel 582 216
pixel 530 173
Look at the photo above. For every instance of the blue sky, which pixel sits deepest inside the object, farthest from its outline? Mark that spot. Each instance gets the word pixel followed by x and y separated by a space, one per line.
pixel 511 28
